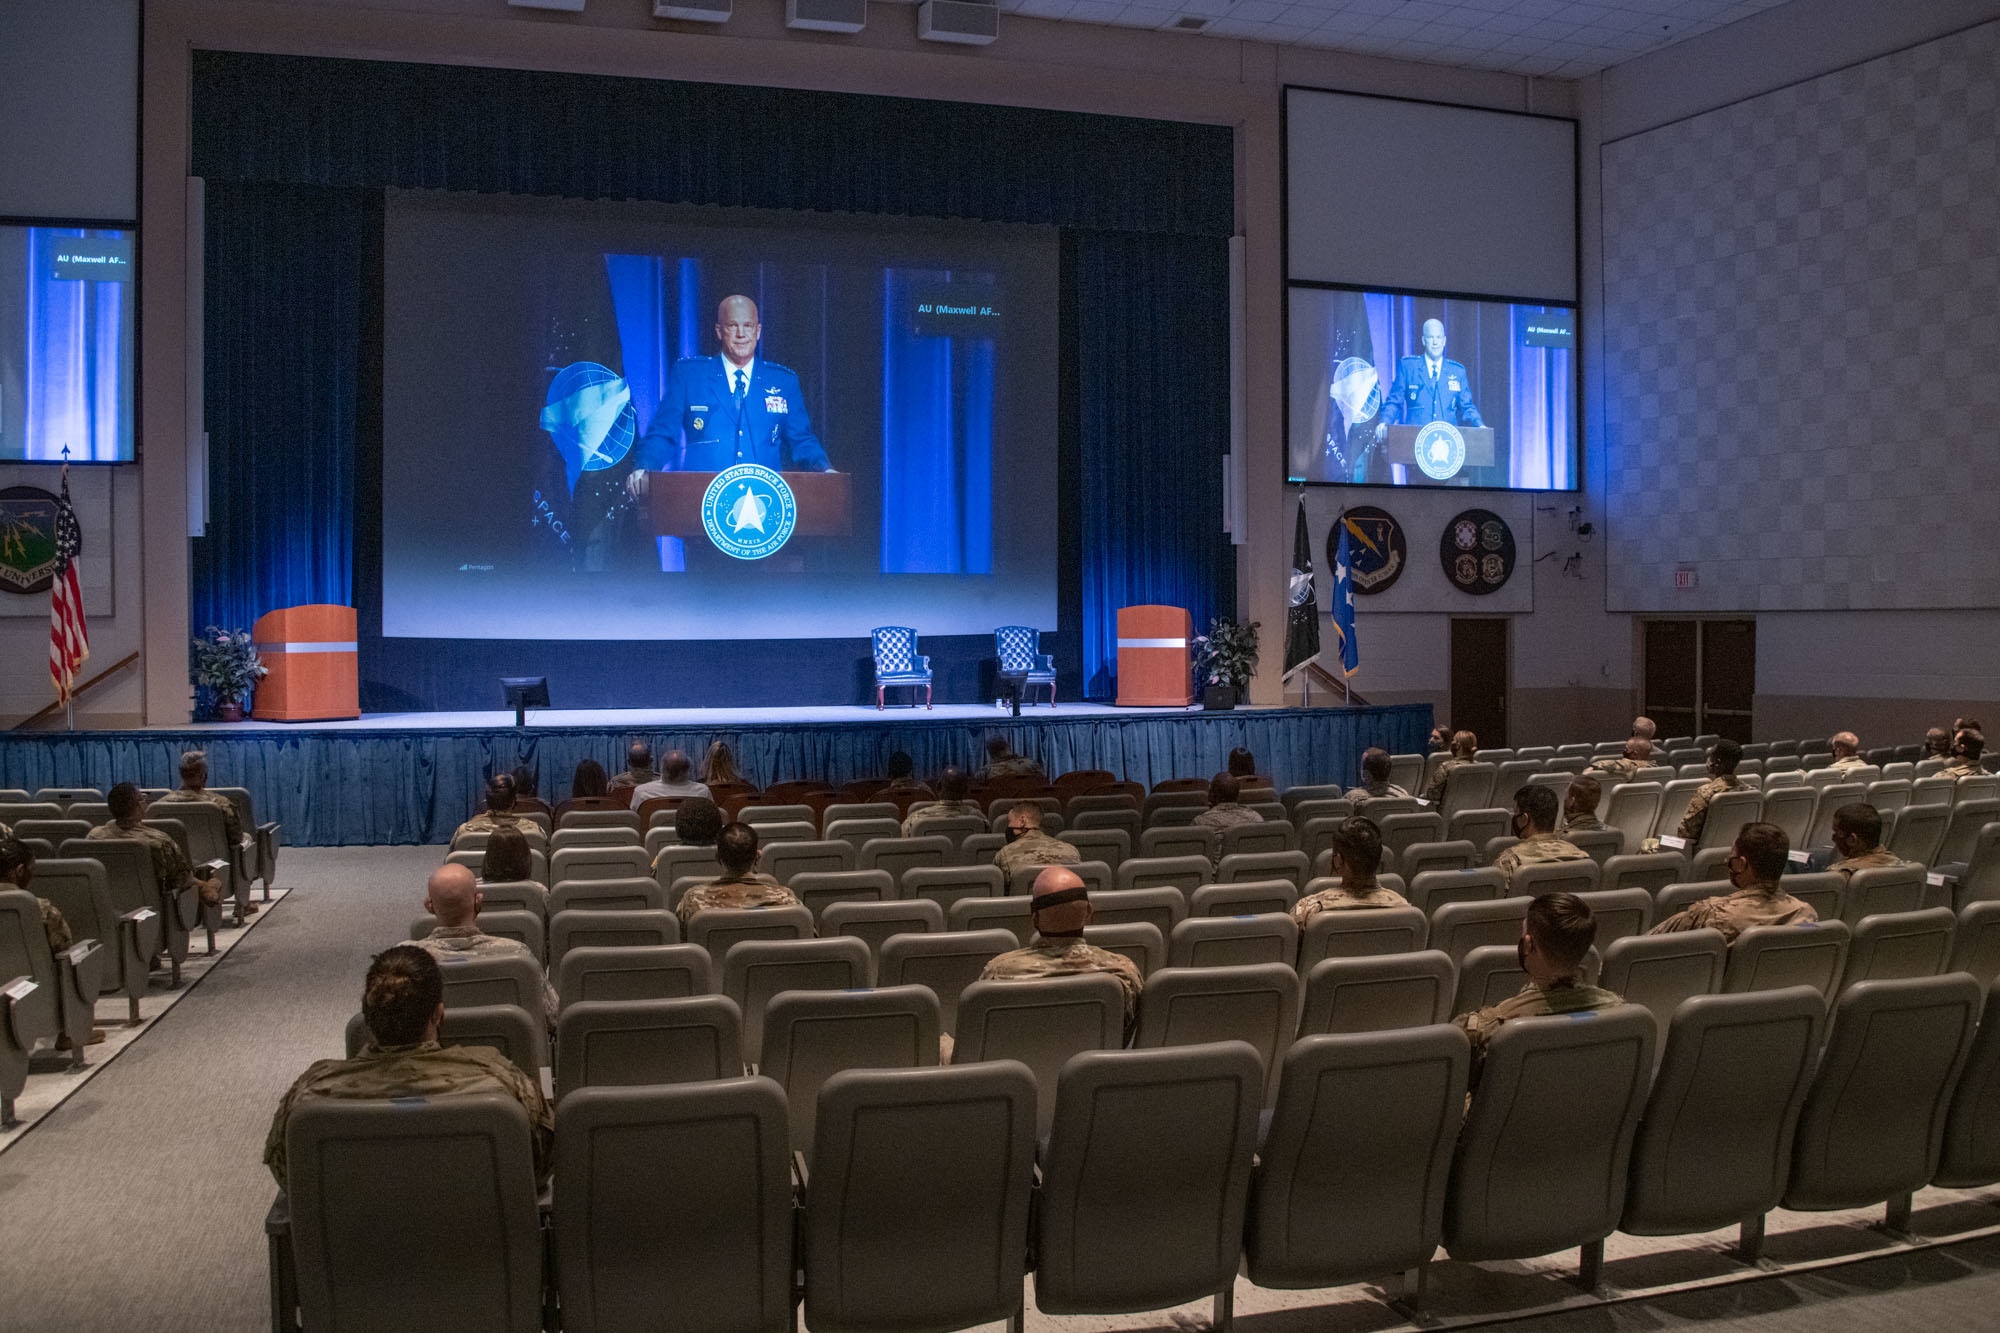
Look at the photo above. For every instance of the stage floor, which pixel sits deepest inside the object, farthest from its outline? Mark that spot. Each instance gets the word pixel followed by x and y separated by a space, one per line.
pixel 575 719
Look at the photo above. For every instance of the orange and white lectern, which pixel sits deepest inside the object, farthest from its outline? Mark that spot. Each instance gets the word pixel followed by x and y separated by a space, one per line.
pixel 1153 657
pixel 314 671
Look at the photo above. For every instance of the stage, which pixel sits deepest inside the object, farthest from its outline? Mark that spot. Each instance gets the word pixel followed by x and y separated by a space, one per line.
pixel 412 777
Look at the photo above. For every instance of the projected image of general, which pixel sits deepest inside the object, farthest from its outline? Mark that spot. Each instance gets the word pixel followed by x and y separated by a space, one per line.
pixel 1404 390
pixel 669 429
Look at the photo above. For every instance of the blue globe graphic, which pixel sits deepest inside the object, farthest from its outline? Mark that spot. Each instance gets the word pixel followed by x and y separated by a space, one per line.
pixel 577 389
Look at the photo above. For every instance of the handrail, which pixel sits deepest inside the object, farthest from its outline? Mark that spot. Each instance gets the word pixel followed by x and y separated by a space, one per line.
pixel 94 681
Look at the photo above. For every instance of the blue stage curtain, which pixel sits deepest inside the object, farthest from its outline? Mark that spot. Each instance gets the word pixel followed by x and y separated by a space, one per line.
pixel 345 788
pixel 1153 427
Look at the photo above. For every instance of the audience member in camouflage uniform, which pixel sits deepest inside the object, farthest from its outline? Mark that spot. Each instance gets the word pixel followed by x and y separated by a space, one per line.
pixel 1464 745
pixel 1375 782
pixel 902 774
pixel 403 1004
pixel 1723 757
pixel 1857 836
pixel 1846 747
pixel 1580 805
pixel 194 787
pixel 1644 728
pixel 170 864
pixel 1224 811
pixel 452 896
pixel 953 784
pixel 741 883
pixel 1554 940
pixel 1027 845
pixel 17 870
pixel 1937 744
pixel 1755 862
pixel 1357 855
pixel 1535 826
pixel 1002 762
pixel 1967 745
pixel 1638 754
pixel 1062 909
pixel 638 772
pixel 499 811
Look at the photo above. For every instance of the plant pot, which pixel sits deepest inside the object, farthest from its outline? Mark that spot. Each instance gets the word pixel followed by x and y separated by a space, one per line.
pixel 1218 698
pixel 229 710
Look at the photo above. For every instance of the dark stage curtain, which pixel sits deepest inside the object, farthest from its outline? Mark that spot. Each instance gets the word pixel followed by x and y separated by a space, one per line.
pixel 297 151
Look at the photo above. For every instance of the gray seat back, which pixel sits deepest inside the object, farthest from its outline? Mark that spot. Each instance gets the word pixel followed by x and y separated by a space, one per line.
pixel 1970 1155
pixel 1401 831
pixel 1659 971
pixel 897 855
pixel 875 923
pixel 1715 1141
pixel 884 1246
pixel 1632 809
pixel 1190 1006
pixel 1790 808
pixel 755 971
pixel 81 891
pixel 1163 908
pixel 1961 833
pixel 674 861
pixel 631 972
pixel 1139 941
pixel 1979 881
pixel 945 964
pixel 1406 771
pixel 783 860
pixel 1186 873
pixel 1542 1159
pixel 837 810
pixel 1493 972
pixel 1160 841
pixel 597 863
pixel 1265 836
pixel 1041 1022
pixel 945 885
pixel 24 955
pixel 1378 994
pixel 1245 867
pixel 1362 933
pixel 1350 1181
pixel 1651 871
pixel 1432 889
pixel 611 1043
pixel 1831 798
pixel 1229 941
pixel 1421 858
pixel 1600 844
pixel 673 1208
pixel 640 893
pixel 508 979
pixel 612 836
pixel 821 889
pixel 1096 876
pixel 462 1171
pixel 599 819
pixel 717 928
pixel 1888 794
pixel 1108 845
pixel 1468 787
pixel 1115 1232
pixel 609 930
pixel 1619 912
pixel 1459 928
pixel 523 895
pixel 1014 915
pixel 1824 891
pixel 1674 797
pixel 1885 1080
pixel 1890 945
pixel 1975 946
pixel 1887 889
pixel 1919 831
pixel 809 1036
pixel 1243 898
pixel 1773 957
pixel 1541 877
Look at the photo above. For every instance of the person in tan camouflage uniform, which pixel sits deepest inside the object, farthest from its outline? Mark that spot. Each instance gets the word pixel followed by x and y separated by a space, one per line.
pixel 1967 745
pixel 1027 845
pixel 1535 826
pixel 452 896
pixel 1846 747
pixel 1638 754
pixel 1580 800
pixel 499 811
pixel 1225 810
pixel 170 864
pixel 1002 762
pixel 194 787
pixel 1857 836
pixel 741 883
pixel 1755 863
pixel 1357 855
pixel 1375 782
pixel 402 1005
pixel 1464 745
pixel 17 870
pixel 1723 757
pixel 1555 938
pixel 1062 909
pixel 953 784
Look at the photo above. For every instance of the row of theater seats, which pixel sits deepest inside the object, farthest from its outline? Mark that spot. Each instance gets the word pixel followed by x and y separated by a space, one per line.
pixel 1144 1182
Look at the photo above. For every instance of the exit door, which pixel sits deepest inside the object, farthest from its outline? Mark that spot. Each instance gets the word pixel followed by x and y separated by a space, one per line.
pixel 1700 676
pixel 1479 680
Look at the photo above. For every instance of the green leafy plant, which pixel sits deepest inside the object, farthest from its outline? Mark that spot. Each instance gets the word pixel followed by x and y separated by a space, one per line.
pixel 1227 654
pixel 226 662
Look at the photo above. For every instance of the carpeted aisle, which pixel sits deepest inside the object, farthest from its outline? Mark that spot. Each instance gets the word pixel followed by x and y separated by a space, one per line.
pixel 139 1203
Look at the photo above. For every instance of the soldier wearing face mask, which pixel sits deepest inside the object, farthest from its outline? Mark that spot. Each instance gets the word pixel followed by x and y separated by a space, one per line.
pixel 1535 810
pixel 1027 845
pixel 1555 939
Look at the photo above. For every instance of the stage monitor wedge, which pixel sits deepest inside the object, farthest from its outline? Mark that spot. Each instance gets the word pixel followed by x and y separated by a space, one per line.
pixel 847 16
pixel 964 22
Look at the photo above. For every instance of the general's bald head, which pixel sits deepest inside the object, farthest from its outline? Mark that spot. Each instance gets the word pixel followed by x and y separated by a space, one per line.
pixel 1060 903
pixel 452 895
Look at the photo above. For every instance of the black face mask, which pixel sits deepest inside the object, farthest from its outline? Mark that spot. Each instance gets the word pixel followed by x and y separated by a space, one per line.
pixel 1521 952
pixel 1013 833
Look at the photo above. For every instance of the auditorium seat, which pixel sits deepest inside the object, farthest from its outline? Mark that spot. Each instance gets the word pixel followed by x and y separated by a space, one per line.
pixel 754 971
pixel 33 994
pixel 1932 788
pixel 717 928
pixel 676 861
pixel 1652 871
pixel 839 810
pixel 475 861
pixel 128 940
pixel 1106 821
pixel 945 885
pixel 1431 889
pixel 809 1036
pixel 1891 945
pixel 782 860
pixel 875 923
pixel 1096 876
pixel 1114 1232
pixel 1772 957
pixel 1216 940
pixel 1660 971
pixel 977 849
pixel 821 889
pixel 773 810
pixel 1825 891
pixel 1378 993
pixel 1961 834
pixel 1362 933
pixel 857 830
pixel 1677 898
pixel 1727 814
pixel 1350 1181
pixel 1316 832
pixel 1041 1022
pixel 1470 787
pixel 1975 946
pixel 569 815
pixel 658 812
pixel 1970 1154
pixel 1162 908
pixel 564 838
pixel 1011 914
pixel 625 1043
pixel 1459 928
pixel 1832 796
pixel 1400 831
pixel 1246 866
pixel 1494 972
pixel 1600 844
pixel 1108 845
pixel 1919 832
pixel 885 1247
pixel 1185 873
pixel 1541 877
pixel 1266 837
pixel 1978 880
pixel 1790 808
pixel 1424 857
pixel 1633 810
pixel 1292 797
pixel 523 895
pixel 1903 888
pixel 631 972
pixel 1886 1080
pixel 1140 941
pixel 635 893
pixel 944 964
pixel 1674 797
pixel 1481 826
pixel 1245 898
pixel 1543 1157
pixel 899 854
pixel 1256 1003
pixel 1710 863
pixel 673 1208
pixel 1406 771
pixel 1510 774
pixel 130 881
pixel 1163 842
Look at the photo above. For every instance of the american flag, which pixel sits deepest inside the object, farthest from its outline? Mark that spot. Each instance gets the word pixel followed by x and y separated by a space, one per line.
pixel 69 637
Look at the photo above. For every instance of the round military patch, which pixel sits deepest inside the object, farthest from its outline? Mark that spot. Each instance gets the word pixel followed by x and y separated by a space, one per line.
pixel 1439 451
pixel 1477 549
pixel 748 511
pixel 27 539
pixel 1376 551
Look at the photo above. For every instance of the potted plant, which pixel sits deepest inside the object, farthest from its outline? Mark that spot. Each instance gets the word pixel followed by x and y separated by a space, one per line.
pixel 226 664
pixel 1225 659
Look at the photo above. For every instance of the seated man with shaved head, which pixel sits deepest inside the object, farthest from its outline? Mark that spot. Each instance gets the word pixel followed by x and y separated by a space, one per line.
pixel 1638 754
pixel 1857 836
pixel 1846 747
pixel 1580 800
pixel 1062 909
pixel 452 896
pixel 675 780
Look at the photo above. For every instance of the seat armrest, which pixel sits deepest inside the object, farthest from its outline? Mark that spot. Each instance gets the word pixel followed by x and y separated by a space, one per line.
pixel 81 967
pixel 924 662
pixel 11 997
pixel 1046 661
pixel 278 1221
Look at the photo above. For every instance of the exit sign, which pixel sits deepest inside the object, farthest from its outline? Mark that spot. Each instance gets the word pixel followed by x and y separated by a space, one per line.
pixel 1684 578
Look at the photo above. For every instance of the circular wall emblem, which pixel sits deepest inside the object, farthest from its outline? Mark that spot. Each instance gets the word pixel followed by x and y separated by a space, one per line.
pixel 27 539
pixel 1478 552
pixel 1376 551
pixel 1439 450
pixel 748 511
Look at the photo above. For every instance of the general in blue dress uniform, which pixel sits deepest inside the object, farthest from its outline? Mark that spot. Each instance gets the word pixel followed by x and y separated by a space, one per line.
pixel 1427 388
pixel 732 408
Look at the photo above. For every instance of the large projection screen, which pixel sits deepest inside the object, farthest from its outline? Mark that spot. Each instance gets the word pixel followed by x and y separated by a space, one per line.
pixel 1386 193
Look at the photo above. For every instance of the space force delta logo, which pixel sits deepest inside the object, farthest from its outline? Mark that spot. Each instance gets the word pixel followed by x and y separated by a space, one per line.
pixel 1440 449
pixel 748 511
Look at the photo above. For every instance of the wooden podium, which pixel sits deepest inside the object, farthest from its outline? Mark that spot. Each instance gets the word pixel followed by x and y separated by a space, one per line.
pixel 825 500
pixel 1401 446
pixel 314 672
pixel 1154 657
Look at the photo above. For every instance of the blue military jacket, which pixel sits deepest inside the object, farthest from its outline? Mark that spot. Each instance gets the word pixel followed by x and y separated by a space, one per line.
pixel 1416 398
pixel 698 428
